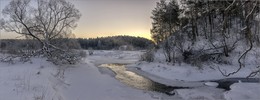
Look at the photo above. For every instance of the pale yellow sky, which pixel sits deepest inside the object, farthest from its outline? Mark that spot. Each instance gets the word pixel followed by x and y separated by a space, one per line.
pixel 114 17
pixel 109 18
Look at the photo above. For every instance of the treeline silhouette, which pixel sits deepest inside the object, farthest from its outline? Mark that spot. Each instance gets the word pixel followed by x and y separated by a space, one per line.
pixel 103 43
pixel 115 42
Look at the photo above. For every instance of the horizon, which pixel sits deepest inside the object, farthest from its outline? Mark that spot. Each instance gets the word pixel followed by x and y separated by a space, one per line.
pixel 83 37
pixel 103 18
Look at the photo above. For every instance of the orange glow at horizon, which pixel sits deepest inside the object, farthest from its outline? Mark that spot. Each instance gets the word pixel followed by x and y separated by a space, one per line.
pixel 141 33
pixel 147 36
pixel 102 18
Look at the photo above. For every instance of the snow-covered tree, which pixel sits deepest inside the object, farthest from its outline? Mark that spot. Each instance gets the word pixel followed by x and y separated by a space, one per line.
pixel 205 31
pixel 165 23
pixel 43 20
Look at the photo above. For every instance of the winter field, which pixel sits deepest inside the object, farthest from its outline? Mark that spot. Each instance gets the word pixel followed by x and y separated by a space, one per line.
pixel 130 50
pixel 41 80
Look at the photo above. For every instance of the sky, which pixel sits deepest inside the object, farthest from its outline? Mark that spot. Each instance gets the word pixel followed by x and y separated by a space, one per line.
pixel 102 18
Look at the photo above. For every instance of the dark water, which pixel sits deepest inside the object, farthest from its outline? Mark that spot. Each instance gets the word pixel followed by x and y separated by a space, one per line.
pixel 225 83
pixel 134 80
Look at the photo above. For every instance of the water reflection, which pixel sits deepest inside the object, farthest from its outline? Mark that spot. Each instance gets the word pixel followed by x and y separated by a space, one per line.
pixel 134 80
pixel 137 81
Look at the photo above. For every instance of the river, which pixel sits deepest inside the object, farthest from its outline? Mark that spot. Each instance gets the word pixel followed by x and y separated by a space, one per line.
pixel 137 81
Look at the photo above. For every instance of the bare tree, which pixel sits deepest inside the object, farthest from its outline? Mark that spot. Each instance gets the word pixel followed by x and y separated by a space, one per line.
pixel 43 20
pixel 165 24
pixel 250 9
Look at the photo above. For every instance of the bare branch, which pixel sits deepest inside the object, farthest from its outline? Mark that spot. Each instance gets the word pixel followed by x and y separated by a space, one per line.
pixel 254 73
pixel 251 12
pixel 230 5
pixel 231 73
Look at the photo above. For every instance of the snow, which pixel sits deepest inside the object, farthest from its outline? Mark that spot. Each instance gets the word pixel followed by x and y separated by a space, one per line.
pixel 209 71
pixel 201 93
pixel 85 81
pixel 243 91
pixel 187 72
pixel 25 81
pixel 181 74
pixel 116 56
pixel 258 17
pixel 213 84
pixel 39 80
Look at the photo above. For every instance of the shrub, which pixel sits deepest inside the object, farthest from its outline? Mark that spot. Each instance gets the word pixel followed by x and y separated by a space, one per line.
pixel 148 56
pixel 90 51
pixel 82 53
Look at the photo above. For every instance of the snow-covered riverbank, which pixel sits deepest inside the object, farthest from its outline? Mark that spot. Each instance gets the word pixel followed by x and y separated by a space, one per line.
pixel 167 73
pixel 87 83
pixel 29 81
pixel 39 80
pixel 187 75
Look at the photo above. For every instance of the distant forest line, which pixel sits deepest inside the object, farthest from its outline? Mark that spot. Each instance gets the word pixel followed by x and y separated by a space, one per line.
pixel 102 43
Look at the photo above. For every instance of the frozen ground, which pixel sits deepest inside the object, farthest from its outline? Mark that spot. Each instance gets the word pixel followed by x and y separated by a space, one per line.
pixel 40 80
pixel 187 72
pixel 181 74
pixel 26 81
pixel 165 73
pixel 87 83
